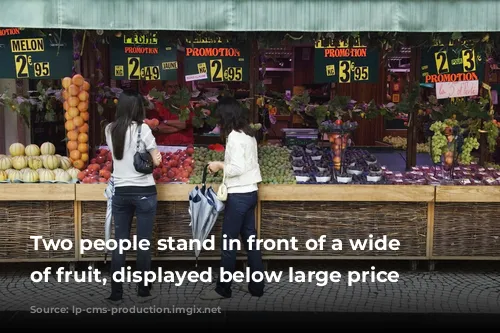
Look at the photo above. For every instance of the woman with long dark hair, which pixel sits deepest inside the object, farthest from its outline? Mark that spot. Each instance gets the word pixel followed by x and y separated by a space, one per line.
pixel 242 174
pixel 135 192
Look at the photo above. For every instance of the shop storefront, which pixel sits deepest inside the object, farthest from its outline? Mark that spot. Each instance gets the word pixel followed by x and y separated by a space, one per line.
pixel 392 132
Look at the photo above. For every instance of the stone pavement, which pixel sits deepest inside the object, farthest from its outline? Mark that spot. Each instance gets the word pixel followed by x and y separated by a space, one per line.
pixel 458 288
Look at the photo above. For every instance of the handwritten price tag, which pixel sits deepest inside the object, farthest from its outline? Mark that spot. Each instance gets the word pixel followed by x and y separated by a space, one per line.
pixel 457 89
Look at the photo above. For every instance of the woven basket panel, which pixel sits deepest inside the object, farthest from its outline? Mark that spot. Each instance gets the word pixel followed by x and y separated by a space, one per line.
pixel 20 220
pixel 172 220
pixel 471 229
pixel 406 222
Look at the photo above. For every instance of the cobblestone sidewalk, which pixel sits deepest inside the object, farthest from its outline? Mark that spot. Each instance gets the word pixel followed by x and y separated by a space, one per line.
pixel 455 291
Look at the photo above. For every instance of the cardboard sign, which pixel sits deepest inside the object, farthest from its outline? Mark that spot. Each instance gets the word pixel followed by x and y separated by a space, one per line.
pixel 457 89
pixel 451 64
pixel 142 57
pixel 341 63
pixel 27 55
pixel 220 61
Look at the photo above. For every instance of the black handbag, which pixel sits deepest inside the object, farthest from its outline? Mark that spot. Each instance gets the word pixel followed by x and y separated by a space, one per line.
pixel 143 162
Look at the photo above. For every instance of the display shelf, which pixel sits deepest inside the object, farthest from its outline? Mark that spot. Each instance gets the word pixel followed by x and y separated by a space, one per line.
pixel 468 193
pixel 414 193
pixel 37 192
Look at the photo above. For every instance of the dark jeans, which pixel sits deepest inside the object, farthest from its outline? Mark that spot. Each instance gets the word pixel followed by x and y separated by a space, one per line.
pixel 124 208
pixel 239 219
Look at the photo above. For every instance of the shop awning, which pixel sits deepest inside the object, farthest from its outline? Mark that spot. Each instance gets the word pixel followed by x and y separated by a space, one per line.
pixel 256 15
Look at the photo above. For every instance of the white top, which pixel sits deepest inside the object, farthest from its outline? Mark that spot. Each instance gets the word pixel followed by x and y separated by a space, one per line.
pixel 124 173
pixel 241 163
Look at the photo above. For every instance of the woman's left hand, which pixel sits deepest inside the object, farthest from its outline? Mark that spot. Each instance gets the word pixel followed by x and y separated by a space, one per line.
pixel 213 167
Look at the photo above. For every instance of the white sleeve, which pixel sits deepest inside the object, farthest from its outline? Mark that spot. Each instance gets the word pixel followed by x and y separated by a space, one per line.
pixel 148 138
pixel 235 166
pixel 107 134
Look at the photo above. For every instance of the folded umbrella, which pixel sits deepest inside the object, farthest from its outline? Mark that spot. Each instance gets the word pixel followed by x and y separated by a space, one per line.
pixel 108 194
pixel 204 208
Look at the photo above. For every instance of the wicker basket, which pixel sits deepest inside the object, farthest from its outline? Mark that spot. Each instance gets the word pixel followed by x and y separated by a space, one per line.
pixel 22 219
pixel 406 222
pixel 466 230
pixel 172 220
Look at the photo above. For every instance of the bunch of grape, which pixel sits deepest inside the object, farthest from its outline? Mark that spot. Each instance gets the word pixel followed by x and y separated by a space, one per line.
pixel 275 165
pixel 492 135
pixel 201 157
pixel 470 143
pixel 439 142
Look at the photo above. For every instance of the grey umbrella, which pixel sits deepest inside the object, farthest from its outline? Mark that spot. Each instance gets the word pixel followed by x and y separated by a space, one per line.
pixel 108 193
pixel 204 208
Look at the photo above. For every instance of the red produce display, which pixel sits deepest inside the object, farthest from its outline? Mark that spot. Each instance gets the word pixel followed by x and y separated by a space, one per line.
pixel 175 167
pixel 99 170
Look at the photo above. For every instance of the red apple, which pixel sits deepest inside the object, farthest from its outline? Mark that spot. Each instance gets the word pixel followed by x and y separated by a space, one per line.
pixel 100 159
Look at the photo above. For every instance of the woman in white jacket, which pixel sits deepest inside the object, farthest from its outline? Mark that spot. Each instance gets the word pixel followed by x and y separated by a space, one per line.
pixel 242 174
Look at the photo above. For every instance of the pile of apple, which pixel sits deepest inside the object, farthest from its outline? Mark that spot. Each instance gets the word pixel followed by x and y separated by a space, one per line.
pixel 175 167
pixel 99 170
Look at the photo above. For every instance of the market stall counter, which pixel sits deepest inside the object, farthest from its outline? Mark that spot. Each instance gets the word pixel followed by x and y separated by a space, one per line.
pixel 430 222
pixel 347 212
pixel 284 211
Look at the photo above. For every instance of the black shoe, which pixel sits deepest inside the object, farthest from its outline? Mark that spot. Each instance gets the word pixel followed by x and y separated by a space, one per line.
pixel 144 292
pixel 115 297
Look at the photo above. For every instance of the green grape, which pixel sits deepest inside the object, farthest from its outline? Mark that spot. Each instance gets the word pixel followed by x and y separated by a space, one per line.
pixel 492 135
pixel 470 143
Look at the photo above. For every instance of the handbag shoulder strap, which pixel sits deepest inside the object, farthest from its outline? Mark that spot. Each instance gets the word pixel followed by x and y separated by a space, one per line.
pixel 138 137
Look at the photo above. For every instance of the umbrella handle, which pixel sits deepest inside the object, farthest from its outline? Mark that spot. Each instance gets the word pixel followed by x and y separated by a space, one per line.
pixel 204 176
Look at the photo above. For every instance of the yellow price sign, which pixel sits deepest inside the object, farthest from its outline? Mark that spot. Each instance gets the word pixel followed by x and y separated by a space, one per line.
pixel 233 74
pixel 344 71
pixel 330 70
pixel 469 60
pixel 442 65
pixel 216 70
pixel 119 70
pixel 202 68
pixel 169 65
pixel 22 62
pixel 41 69
pixel 361 73
pixel 150 73
pixel 134 68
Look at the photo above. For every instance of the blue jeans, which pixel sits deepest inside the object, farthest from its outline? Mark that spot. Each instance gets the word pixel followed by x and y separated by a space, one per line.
pixel 239 219
pixel 124 208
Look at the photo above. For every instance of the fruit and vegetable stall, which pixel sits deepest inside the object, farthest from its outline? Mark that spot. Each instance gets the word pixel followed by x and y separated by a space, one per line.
pixel 43 194
pixel 444 209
